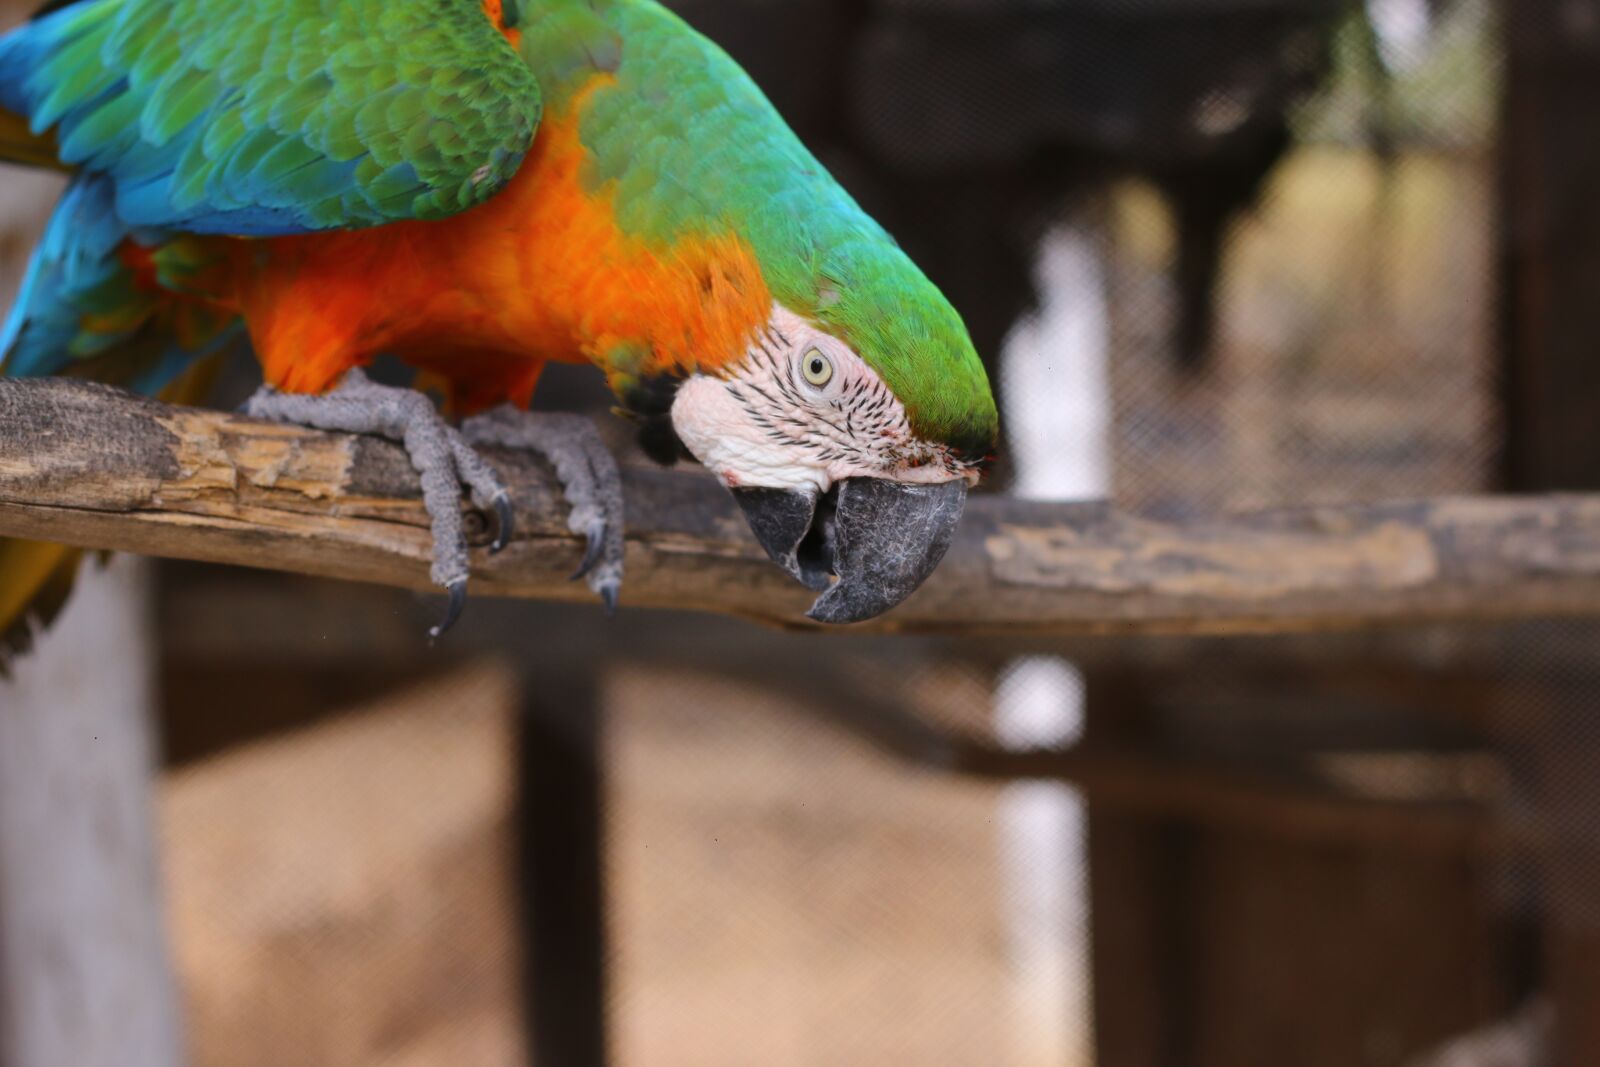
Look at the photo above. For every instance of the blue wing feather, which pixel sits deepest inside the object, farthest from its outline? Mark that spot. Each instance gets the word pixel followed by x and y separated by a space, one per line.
pixel 80 306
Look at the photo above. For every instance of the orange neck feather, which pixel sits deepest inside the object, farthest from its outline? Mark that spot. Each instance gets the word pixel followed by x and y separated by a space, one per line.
pixel 541 272
pixel 496 12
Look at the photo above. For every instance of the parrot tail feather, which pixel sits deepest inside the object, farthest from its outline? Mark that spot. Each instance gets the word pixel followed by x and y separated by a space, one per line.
pixel 35 581
pixel 93 306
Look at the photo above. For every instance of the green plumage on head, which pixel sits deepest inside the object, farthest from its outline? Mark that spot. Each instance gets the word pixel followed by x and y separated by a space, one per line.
pixel 694 148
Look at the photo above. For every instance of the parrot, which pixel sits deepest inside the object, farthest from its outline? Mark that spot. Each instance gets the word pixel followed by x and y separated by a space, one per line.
pixel 477 188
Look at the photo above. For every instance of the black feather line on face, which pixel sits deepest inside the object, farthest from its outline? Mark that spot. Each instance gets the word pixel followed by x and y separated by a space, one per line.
pixel 649 403
pixel 861 426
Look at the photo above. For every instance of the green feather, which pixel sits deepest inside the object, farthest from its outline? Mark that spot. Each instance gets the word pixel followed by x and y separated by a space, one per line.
pixel 109 128
pixel 74 75
pixel 179 99
pixel 239 106
pixel 688 144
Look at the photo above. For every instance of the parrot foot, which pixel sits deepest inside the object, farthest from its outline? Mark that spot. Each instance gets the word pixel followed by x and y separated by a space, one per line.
pixel 440 454
pixel 589 477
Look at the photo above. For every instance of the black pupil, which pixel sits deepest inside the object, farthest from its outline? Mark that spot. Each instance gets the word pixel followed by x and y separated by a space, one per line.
pixel 816 366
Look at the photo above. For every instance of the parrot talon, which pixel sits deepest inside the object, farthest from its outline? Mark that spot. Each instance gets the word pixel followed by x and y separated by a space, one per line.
pixel 595 537
pixel 458 600
pixel 250 403
pixel 505 522
pixel 441 456
pixel 589 478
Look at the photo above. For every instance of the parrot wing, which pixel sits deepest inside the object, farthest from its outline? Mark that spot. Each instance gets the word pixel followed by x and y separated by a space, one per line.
pixel 271 117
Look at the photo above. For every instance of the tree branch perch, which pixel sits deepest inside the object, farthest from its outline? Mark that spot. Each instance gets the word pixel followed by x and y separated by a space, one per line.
pixel 90 466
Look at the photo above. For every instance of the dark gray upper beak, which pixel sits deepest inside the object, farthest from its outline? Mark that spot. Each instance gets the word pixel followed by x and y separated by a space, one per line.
pixel 882 538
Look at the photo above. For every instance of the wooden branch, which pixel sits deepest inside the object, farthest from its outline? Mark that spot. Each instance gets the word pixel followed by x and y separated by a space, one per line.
pixel 90 466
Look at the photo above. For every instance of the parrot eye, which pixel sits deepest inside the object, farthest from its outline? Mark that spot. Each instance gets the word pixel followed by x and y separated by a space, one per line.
pixel 817 368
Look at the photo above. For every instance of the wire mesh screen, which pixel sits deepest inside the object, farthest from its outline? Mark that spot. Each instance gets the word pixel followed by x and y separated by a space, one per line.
pixel 1217 256
pixel 1350 356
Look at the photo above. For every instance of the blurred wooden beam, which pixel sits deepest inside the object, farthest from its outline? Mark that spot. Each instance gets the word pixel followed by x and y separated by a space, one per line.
pixel 91 466
pixel 248 634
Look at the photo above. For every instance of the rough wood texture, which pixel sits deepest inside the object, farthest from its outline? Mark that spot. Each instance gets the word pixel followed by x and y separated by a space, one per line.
pixel 90 466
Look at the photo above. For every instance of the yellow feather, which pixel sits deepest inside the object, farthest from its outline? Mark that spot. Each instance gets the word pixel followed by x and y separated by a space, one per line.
pixel 26 567
pixel 18 144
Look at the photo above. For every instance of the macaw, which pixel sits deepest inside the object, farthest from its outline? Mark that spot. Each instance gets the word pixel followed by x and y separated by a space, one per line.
pixel 479 187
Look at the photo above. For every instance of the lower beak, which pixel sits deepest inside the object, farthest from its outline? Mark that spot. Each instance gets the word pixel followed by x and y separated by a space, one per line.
pixel 880 538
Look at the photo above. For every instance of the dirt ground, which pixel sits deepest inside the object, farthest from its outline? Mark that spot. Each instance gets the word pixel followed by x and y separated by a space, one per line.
pixel 780 895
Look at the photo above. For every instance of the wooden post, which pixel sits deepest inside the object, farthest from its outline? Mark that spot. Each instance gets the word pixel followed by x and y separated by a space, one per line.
pixel 560 867
pixel 1550 258
pixel 1550 244
pixel 1141 887
pixel 85 977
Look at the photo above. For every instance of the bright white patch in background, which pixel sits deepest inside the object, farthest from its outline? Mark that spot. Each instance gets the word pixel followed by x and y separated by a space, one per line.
pixel 74 721
pixel 1039 702
pixel 1057 409
pixel 1402 27
pixel 1055 387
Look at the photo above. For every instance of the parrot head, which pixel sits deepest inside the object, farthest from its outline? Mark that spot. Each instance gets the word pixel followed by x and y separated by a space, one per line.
pixel 849 432
pixel 791 345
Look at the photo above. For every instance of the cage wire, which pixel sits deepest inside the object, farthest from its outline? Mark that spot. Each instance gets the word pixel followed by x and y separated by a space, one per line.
pixel 1351 360
pixel 1220 256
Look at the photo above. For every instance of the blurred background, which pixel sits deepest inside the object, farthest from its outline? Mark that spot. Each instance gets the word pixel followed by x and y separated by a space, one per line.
pixel 1218 254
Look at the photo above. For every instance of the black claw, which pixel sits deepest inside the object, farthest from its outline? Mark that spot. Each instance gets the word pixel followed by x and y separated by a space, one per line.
pixel 608 597
pixel 458 600
pixel 596 535
pixel 505 523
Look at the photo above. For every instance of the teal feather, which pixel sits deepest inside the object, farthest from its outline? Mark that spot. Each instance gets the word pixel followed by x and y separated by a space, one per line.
pixel 106 131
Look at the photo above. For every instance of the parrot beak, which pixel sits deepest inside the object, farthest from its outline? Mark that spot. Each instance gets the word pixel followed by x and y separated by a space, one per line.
pixel 781 519
pixel 880 538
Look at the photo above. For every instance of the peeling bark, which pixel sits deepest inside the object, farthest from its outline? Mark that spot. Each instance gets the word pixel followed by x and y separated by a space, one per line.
pixel 87 465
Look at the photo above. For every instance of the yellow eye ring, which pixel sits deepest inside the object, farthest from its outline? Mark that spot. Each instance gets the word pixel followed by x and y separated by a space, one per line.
pixel 816 367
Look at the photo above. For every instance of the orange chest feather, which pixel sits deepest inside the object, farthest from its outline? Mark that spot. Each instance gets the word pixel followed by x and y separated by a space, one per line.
pixel 540 272
pixel 495 10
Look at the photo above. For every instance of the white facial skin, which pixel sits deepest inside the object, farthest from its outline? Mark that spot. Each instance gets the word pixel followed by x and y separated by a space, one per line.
pixel 803 410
